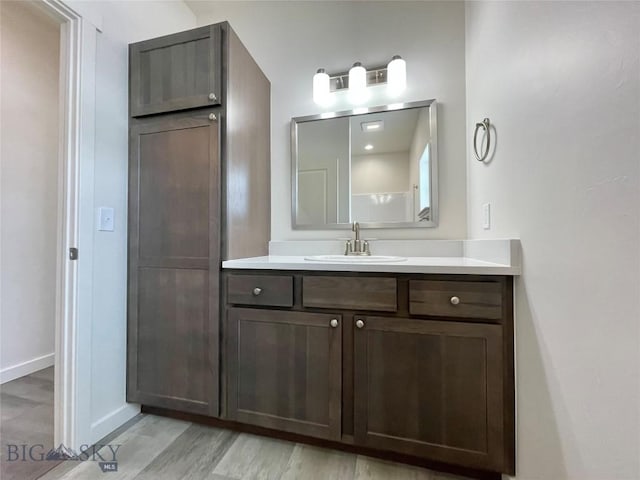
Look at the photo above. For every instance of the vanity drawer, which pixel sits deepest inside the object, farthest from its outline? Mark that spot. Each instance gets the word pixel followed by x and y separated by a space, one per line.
pixel 456 299
pixel 267 290
pixel 350 293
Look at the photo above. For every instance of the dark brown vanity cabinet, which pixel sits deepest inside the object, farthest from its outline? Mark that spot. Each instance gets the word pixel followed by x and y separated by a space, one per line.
pixel 199 166
pixel 430 389
pixel 284 370
pixel 416 365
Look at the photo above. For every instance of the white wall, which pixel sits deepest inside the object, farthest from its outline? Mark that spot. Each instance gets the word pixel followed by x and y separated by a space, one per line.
pixel 291 40
pixel 561 83
pixel 29 191
pixel 120 24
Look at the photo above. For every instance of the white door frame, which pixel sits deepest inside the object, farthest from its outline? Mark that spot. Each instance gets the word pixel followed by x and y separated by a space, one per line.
pixel 72 401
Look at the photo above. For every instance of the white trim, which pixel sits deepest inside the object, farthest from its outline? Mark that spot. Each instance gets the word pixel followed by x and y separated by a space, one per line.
pixel 73 292
pixel 88 11
pixel 107 424
pixel 82 334
pixel 26 368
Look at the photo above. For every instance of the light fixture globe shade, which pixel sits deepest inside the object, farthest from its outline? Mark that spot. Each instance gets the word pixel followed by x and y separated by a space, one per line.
pixel 321 88
pixel 396 76
pixel 358 84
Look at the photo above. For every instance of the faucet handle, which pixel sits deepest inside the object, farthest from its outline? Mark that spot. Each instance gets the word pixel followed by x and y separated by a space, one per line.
pixel 348 247
pixel 365 247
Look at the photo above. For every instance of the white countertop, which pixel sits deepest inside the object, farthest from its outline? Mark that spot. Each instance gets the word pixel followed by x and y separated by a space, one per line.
pixel 440 265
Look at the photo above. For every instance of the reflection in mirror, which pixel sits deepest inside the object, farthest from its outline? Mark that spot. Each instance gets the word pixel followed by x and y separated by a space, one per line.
pixel 323 172
pixel 377 168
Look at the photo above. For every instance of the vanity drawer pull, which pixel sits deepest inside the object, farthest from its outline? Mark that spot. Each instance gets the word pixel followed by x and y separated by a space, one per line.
pixel 334 323
pixel 443 298
pixel 250 290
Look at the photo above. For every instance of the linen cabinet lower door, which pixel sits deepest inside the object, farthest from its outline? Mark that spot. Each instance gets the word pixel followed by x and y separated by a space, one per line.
pixel 173 263
pixel 284 370
pixel 430 389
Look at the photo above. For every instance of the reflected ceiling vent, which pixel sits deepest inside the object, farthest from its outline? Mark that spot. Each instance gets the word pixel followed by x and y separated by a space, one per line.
pixel 375 126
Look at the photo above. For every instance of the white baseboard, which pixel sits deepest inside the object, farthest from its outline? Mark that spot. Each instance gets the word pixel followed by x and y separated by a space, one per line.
pixel 26 368
pixel 107 424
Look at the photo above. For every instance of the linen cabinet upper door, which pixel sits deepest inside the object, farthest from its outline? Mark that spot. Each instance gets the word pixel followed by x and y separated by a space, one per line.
pixel 176 72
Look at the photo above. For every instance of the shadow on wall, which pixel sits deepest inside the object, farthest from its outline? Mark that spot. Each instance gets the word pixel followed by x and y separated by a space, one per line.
pixel 544 458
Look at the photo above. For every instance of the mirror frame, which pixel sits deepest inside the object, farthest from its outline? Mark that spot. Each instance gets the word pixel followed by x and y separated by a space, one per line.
pixel 433 125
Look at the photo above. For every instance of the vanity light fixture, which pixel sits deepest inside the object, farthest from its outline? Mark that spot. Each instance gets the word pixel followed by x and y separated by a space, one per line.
pixel 321 88
pixel 368 147
pixel 357 79
pixel 396 75
pixel 358 83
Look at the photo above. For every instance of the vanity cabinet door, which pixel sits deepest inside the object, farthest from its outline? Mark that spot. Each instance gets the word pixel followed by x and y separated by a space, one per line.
pixel 430 389
pixel 174 257
pixel 176 72
pixel 284 370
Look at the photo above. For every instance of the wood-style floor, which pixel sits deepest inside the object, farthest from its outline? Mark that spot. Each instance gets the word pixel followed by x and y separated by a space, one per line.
pixel 158 448
pixel 26 418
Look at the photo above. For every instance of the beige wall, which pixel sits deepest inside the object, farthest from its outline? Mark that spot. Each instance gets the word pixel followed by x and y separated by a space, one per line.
pixel 29 63
pixel 561 83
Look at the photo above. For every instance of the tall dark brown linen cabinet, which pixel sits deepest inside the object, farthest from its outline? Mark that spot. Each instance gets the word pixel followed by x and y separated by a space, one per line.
pixel 199 193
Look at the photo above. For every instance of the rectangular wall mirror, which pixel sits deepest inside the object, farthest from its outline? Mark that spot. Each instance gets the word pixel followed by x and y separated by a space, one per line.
pixel 376 166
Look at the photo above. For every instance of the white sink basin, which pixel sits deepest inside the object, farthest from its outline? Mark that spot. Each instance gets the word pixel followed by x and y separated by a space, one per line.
pixel 355 259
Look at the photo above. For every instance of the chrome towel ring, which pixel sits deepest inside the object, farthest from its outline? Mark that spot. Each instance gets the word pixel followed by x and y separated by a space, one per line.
pixel 485 124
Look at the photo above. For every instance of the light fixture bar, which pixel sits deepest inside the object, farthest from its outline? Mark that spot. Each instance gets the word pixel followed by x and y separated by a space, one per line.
pixel 357 80
pixel 340 81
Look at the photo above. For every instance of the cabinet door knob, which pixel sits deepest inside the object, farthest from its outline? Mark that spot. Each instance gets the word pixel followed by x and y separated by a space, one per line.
pixel 212 97
pixel 359 324
pixel 455 300
pixel 257 291
pixel 333 323
pixel 212 116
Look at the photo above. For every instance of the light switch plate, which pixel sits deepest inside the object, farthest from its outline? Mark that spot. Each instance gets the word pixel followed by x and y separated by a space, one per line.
pixel 486 216
pixel 106 219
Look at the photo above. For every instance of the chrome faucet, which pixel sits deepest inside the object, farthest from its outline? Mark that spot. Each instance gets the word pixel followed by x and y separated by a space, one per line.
pixel 357 246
